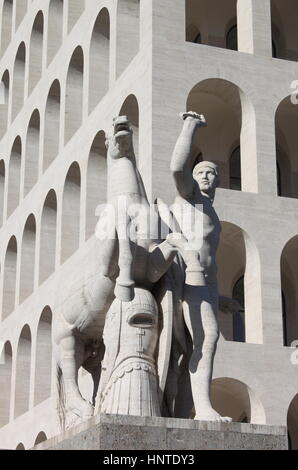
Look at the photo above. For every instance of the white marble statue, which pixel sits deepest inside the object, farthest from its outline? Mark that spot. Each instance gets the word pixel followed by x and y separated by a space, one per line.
pixel 200 298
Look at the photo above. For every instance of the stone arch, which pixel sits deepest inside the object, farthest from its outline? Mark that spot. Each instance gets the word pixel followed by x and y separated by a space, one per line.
pixel 48 235
pixel 21 10
pixel 28 259
pixel 4 96
pixel 14 176
pixel 43 364
pixel 6 27
pixel 74 94
pixel 211 29
pixel 36 48
pixel 128 33
pixel 75 10
pixel 18 81
pixel 52 125
pixel 238 256
pixel 99 59
pixel 96 181
pixel 220 102
pixel 55 28
pixel 41 437
pixel 70 237
pixel 5 383
pixel 32 152
pixel 284 29
pixel 231 397
pixel 9 278
pixel 22 388
pixel 2 190
pixel 20 446
pixel 130 108
pixel 289 285
pixel 286 121
pixel 292 422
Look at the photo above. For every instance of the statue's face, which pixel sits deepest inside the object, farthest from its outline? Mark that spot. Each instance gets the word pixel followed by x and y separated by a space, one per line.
pixel 206 178
pixel 120 142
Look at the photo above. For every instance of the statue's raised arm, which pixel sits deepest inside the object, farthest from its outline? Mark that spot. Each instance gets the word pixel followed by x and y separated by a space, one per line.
pixel 181 158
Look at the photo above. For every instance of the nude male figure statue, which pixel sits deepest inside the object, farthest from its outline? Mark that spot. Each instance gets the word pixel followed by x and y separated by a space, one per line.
pixel 196 192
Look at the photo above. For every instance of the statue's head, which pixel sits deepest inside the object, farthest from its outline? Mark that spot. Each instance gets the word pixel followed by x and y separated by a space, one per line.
pixel 206 175
pixel 119 142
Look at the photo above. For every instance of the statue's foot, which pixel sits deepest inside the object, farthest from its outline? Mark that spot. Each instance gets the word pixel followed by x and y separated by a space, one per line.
pixel 210 414
pixel 193 116
pixel 124 291
pixel 80 407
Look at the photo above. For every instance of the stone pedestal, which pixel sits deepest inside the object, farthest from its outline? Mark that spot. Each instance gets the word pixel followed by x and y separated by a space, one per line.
pixel 114 432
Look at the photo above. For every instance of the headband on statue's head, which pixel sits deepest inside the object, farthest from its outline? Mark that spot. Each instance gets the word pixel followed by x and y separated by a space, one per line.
pixel 203 164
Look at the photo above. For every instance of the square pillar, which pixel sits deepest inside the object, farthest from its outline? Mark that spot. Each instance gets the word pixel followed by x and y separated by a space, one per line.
pixel 254 27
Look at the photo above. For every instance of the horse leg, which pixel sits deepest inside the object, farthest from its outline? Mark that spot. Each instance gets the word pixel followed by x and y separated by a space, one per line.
pixel 124 289
pixel 71 359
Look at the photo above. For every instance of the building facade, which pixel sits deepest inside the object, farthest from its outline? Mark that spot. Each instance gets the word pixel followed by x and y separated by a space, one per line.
pixel 68 67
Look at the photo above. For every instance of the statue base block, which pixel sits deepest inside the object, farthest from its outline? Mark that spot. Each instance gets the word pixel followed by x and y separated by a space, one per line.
pixel 115 432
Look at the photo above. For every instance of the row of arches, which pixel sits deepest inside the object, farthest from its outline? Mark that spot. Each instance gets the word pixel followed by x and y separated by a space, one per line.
pixel 41 437
pixel 31 56
pixel 239 278
pixel 19 374
pixel 58 225
pixel 30 157
pixel 55 25
pixel 220 29
pixel 225 108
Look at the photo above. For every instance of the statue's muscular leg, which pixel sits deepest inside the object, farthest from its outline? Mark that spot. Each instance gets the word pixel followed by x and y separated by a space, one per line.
pixel 71 359
pixel 200 318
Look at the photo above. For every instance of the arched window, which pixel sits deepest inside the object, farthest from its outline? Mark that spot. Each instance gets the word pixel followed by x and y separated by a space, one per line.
pixel 5 383
pixel 40 438
pixel 22 388
pixel 239 317
pixel 74 94
pixel 52 125
pixel 99 59
pixel 209 22
pixel 32 152
pixel 18 81
pixel 4 97
pixel 47 256
pixel 28 259
pixel 36 47
pixel 232 38
pixel 96 181
pixel 70 237
pixel 235 170
pixel 43 365
pixel 292 422
pixel 9 283
pixel 55 28
pixel 14 177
